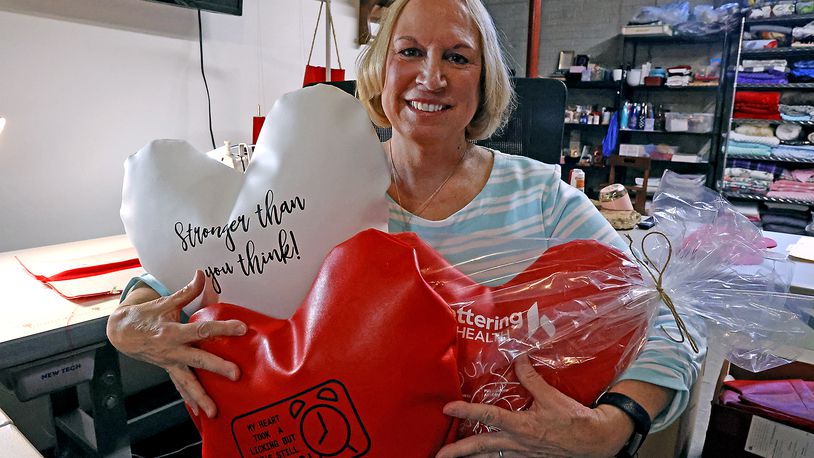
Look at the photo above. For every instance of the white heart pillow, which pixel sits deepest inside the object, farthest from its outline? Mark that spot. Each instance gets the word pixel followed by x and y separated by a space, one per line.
pixel 318 176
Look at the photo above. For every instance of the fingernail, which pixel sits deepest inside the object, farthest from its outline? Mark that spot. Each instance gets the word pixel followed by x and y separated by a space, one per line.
pixel 235 375
pixel 194 410
pixel 241 330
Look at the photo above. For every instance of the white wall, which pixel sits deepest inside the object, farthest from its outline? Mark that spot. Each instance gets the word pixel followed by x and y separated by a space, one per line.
pixel 85 83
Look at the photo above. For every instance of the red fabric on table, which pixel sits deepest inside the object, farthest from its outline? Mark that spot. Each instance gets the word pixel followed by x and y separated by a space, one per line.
pixel 790 401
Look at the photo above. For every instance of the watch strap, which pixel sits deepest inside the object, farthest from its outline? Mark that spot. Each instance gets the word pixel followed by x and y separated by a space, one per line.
pixel 639 416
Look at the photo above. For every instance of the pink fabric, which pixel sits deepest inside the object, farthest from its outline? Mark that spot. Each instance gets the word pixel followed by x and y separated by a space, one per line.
pixel 790 401
pixel 786 185
pixel 804 175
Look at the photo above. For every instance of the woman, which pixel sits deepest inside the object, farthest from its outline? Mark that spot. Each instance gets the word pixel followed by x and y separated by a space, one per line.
pixel 436 75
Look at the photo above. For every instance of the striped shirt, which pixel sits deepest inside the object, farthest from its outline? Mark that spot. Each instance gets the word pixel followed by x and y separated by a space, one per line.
pixel 524 205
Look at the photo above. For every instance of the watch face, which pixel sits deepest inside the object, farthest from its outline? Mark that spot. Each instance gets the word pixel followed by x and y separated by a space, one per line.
pixel 321 421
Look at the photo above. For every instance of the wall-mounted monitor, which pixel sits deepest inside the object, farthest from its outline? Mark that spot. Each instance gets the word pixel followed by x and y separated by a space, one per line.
pixel 219 6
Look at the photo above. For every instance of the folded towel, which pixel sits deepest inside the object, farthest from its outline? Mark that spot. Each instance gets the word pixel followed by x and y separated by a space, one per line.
pixel 760 130
pixel 797 98
pixel 771 99
pixel 770 141
pixel 804 175
pixel 754 149
pixel 747 173
pixel 785 220
pixel 788 132
pixel 784 229
pixel 796 110
pixel 770 167
pixel 798 118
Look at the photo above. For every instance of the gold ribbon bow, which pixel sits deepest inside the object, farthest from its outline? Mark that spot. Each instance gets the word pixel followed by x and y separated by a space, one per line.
pixel 682 328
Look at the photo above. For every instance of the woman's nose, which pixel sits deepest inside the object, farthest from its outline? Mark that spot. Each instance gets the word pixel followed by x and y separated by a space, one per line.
pixel 432 75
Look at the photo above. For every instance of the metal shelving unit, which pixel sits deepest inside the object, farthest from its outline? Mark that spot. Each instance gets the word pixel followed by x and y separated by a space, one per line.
pixel 751 197
pixel 770 158
pixel 790 53
pixel 629 57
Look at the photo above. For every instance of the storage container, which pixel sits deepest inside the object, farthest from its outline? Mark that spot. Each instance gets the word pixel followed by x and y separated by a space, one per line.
pixel 700 122
pixel 676 122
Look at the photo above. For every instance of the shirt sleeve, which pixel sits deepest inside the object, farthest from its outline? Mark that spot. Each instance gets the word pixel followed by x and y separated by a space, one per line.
pixel 569 215
pixel 148 280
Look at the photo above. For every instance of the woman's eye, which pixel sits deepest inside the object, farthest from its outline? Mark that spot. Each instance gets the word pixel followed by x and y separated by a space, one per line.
pixel 457 59
pixel 410 52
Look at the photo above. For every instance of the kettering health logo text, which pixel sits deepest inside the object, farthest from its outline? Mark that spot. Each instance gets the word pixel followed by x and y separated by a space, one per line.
pixel 487 329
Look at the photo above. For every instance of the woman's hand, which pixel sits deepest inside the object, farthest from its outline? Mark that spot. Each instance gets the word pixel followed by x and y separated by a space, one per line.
pixel 555 425
pixel 150 331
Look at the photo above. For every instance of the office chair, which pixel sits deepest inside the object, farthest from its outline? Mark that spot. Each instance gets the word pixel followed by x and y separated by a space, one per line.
pixel 535 126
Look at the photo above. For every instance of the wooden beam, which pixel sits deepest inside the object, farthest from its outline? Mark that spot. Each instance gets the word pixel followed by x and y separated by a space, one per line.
pixel 533 47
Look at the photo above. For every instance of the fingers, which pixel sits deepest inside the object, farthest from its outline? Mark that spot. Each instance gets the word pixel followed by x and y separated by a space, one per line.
pixel 192 391
pixel 185 295
pixel 199 359
pixel 529 378
pixel 201 330
pixel 485 445
pixel 486 414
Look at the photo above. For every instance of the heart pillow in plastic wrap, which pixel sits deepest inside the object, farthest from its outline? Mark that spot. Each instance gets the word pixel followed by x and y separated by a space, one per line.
pixel 318 176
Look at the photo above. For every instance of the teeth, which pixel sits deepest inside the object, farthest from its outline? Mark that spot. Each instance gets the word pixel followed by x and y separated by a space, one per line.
pixel 426 107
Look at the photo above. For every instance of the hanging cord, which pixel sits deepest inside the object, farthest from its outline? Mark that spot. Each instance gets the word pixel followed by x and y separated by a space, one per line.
pixel 682 328
pixel 314 39
pixel 208 98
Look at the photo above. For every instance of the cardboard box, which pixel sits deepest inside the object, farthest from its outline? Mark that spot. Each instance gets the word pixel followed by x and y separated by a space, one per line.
pixel 735 433
pixel 661 30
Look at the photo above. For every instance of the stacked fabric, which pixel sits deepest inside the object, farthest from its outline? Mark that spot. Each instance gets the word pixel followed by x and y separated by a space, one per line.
pixel 797 184
pixel 765 32
pixel 802 72
pixel 763 72
pixel 679 76
pixel 789 218
pixel 757 105
pixel 803 36
pixel 752 140
pixel 770 167
pixel 746 181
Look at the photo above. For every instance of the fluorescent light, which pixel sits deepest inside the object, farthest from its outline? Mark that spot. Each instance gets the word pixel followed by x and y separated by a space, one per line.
pixel 2 124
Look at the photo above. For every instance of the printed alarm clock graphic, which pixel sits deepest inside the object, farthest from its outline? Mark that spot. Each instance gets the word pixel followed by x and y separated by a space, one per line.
pixel 319 422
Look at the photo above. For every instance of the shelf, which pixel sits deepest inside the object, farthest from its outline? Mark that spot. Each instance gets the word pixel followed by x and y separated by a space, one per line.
pixel 664 132
pixel 592 85
pixel 775 87
pixel 771 122
pixel 794 19
pixel 736 195
pixel 673 89
pixel 574 125
pixel 775 53
pixel 770 158
pixel 675 39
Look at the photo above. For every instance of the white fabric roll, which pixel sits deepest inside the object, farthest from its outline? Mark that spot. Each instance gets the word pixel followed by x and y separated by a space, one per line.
pixel 788 132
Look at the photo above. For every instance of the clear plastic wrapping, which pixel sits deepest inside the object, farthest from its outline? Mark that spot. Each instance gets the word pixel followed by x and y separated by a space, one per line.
pixel 582 310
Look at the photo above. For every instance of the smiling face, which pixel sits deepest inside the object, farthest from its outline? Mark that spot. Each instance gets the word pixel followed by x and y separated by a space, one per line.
pixel 432 79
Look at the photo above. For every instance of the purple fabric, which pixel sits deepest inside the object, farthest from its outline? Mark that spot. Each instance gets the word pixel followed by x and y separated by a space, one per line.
pixel 756 165
pixel 761 78
pixel 786 400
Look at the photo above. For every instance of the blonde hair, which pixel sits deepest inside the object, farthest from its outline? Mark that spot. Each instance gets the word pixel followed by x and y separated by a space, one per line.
pixel 496 93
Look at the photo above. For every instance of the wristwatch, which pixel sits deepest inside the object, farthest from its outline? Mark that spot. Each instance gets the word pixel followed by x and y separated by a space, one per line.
pixel 639 416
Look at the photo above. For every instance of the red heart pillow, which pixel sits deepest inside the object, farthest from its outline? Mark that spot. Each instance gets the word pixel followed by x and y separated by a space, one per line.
pixel 579 303
pixel 365 366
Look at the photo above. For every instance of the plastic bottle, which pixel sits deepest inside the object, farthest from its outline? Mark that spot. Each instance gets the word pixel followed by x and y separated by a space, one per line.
pixel 641 121
pixel 633 122
pixel 624 115
pixel 659 122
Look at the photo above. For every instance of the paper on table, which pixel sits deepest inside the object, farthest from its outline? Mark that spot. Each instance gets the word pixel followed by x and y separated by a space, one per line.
pixel 48 268
pixel 803 249
pixel 98 274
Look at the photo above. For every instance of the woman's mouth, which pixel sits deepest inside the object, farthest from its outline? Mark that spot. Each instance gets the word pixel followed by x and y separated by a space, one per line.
pixel 427 107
